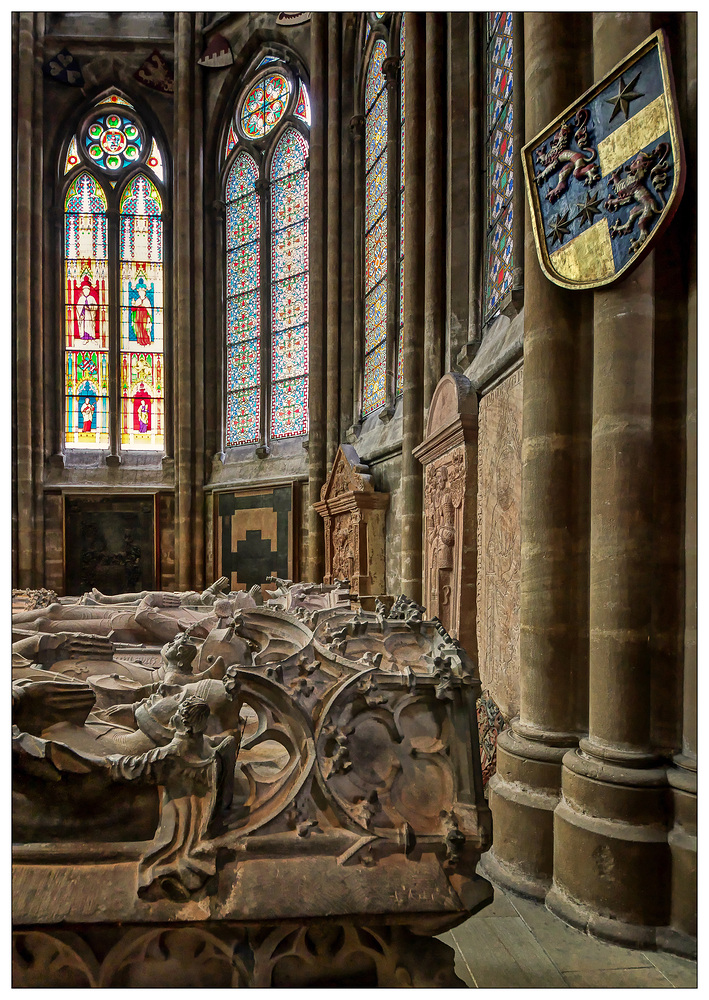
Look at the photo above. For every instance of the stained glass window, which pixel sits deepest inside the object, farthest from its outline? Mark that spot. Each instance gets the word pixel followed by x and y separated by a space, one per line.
pixel 289 287
pixel 269 180
pixel 142 318
pixel 375 235
pixel 98 222
pixel 243 232
pixel 264 105
pixel 499 181
pixel 86 362
pixel 402 218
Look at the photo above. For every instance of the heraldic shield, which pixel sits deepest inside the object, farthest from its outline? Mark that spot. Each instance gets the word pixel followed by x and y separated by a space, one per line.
pixel 607 175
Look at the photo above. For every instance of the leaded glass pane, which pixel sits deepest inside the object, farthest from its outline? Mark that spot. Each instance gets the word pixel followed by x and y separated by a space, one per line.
pixel 289 251
pixel 264 105
pixel 500 151
pixel 291 153
pixel 290 353
pixel 289 408
pixel 375 317
pixel 113 140
pixel 375 254
pixel 141 317
pixel 242 365
pixel 86 364
pixel 374 386
pixel 242 221
pixel 72 156
pixel 242 269
pixel 290 302
pixel 242 417
pixel 376 129
pixel 375 78
pixel 302 106
pixel 376 201
pixel 242 177
pixel 289 199
pixel 242 316
pixel 155 161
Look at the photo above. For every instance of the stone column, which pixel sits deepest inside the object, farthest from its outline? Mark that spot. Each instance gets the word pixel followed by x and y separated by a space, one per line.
pixel 334 64
pixel 347 175
pixel 457 187
pixel 434 276
pixel 198 373
pixel 610 826
pixel 25 413
pixel 357 133
pixel 553 663
pixel 39 331
pixel 184 415
pixel 318 210
pixel 414 254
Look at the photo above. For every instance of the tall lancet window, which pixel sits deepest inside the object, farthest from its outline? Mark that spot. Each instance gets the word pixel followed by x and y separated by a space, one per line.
pixel 265 190
pixel 112 176
pixel 383 106
pixel 499 148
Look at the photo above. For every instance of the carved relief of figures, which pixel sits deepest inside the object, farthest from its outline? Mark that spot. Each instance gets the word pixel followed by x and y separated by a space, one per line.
pixel 445 485
pixel 342 548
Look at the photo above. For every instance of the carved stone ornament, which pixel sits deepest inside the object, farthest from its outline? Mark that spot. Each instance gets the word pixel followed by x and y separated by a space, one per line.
pixel 354 523
pixel 606 176
pixel 448 454
pixel 281 803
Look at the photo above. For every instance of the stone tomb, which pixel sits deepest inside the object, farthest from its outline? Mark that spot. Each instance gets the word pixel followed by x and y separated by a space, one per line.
pixel 354 515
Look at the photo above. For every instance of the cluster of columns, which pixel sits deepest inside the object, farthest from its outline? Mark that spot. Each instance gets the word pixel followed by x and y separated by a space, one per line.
pixel 584 803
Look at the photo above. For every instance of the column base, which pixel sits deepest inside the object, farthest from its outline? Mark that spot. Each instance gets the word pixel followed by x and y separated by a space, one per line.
pixel 681 935
pixel 523 796
pixel 612 862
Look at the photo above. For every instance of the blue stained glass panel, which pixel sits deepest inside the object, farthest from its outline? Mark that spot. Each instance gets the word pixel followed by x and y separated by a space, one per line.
pixel 376 200
pixel 242 269
pixel 290 155
pixel 375 79
pixel 289 408
pixel 242 316
pixel 85 195
pixel 289 353
pixel 242 177
pixel 242 365
pixel 289 251
pixel 375 314
pixel 290 302
pixel 242 415
pixel 289 200
pixel 375 255
pixel 374 389
pixel 500 154
pixel 242 221
pixel 375 129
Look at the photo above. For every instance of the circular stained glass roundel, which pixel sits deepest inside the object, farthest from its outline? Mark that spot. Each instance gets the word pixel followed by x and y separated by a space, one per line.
pixel 264 105
pixel 113 141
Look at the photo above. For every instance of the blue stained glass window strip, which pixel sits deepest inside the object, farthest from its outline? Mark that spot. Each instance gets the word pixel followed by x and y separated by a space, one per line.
pixel 243 365
pixel 242 221
pixel 290 155
pixel 500 153
pixel 289 353
pixel 289 251
pixel 289 408
pixel 375 257
pixel 376 129
pixel 242 177
pixel 376 192
pixel 242 269
pixel 375 309
pixel 243 413
pixel 289 199
pixel 242 316
pixel 290 302
pixel 375 79
pixel 374 388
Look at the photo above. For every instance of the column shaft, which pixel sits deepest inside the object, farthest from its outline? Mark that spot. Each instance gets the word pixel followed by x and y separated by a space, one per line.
pixel 414 254
pixel 317 439
pixel 477 166
pixel 334 63
pixel 347 286
pixel 434 277
pixel 457 187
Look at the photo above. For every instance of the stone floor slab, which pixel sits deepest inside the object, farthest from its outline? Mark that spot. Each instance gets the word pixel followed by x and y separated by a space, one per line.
pixel 570 949
pixel 616 979
pixel 681 972
pixel 502 952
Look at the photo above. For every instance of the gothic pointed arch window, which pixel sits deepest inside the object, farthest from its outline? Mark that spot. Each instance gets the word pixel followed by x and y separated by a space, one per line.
pixel 265 190
pixel 112 175
pixel 383 109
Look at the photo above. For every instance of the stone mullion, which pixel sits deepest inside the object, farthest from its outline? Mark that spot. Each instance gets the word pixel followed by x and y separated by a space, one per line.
pixel 414 254
pixel 114 334
pixel 182 243
pixel 317 288
pixel 197 179
pixel 390 71
pixel 39 373
pixel 24 415
pixel 265 332
pixel 553 670
pixel 457 187
pixel 332 290
pixel 357 132
pixel 478 221
pixel 434 278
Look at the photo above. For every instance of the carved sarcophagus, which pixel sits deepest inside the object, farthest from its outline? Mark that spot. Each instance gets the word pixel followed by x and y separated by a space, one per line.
pixel 354 519
pixel 289 815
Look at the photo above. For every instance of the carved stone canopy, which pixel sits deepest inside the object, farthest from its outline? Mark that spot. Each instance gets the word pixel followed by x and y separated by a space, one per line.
pixel 353 513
